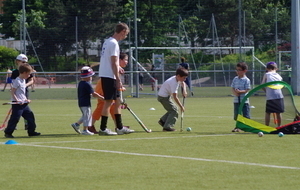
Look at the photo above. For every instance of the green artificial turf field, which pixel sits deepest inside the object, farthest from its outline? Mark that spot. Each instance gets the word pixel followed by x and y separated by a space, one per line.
pixel 208 157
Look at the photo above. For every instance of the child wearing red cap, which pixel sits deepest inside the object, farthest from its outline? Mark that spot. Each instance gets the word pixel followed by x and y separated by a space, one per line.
pixel 84 92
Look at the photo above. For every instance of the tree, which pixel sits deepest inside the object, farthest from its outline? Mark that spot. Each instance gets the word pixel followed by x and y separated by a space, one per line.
pixel 51 23
pixel 157 20
pixel 260 22
pixel 53 33
pixel 94 20
pixel 7 57
pixel 195 29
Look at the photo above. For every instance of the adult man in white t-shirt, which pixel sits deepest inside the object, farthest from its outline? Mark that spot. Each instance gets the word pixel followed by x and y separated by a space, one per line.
pixel 111 81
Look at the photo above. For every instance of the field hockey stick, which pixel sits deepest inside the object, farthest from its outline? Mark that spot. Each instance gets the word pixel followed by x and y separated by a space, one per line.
pixel 133 114
pixel 138 120
pixel 239 97
pixel 12 103
pixel 181 121
pixel 3 126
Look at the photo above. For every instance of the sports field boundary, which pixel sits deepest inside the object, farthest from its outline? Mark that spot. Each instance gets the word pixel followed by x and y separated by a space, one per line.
pixel 164 156
pixel 40 145
pixel 129 139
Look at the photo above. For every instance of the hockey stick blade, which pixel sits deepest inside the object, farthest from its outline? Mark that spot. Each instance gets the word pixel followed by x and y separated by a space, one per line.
pixel 139 121
pixel 3 126
pixel 181 121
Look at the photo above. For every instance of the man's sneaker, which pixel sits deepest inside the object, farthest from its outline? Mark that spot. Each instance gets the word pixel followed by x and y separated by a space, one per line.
pixel 124 130
pixel 76 127
pixel 86 132
pixel 161 123
pixel 169 129
pixel 8 135
pixel 93 130
pixel 34 134
pixel 107 132
pixel 123 126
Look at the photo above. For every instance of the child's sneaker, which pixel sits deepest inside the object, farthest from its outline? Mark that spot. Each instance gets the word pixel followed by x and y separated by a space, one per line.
pixel 34 134
pixel 107 132
pixel 86 132
pixel 235 130
pixel 93 130
pixel 76 127
pixel 124 130
pixel 170 129
pixel 7 135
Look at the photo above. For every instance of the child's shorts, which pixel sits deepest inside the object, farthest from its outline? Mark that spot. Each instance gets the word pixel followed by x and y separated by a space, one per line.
pixel 8 80
pixel 275 106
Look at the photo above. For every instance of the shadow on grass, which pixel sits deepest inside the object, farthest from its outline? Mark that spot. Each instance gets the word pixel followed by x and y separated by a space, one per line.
pixel 45 136
pixel 203 133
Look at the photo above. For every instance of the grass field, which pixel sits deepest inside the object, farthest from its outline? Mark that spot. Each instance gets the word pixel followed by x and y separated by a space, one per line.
pixel 208 157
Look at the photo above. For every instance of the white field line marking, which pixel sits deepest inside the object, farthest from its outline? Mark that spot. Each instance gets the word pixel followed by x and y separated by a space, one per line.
pixel 166 156
pixel 129 139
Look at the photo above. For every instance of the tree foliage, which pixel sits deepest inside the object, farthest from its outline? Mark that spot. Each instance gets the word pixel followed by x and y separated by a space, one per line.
pixel 7 57
pixel 52 24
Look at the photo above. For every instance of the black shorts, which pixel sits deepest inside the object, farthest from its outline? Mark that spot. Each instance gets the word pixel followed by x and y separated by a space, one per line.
pixel 109 88
pixel 141 80
pixel 275 106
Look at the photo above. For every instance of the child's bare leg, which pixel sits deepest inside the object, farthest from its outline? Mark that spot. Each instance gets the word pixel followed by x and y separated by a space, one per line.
pixel 267 119
pixel 279 117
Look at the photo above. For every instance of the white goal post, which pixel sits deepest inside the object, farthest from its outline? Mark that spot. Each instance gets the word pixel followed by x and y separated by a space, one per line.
pixel 280 61
pixel 134 60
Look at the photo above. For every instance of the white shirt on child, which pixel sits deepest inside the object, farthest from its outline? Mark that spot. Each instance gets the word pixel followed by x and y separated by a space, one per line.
pixel 20 86
pixel 273 93
pixel 169 87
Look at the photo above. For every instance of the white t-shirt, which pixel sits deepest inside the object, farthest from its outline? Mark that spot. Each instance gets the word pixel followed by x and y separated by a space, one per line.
pixel 273 93
pixel 20 85
pixel 272 76
pixel 169 87
pixel 110 48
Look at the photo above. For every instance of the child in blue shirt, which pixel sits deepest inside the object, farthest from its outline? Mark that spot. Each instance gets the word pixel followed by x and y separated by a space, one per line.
pixel 84 92
pixel 240 86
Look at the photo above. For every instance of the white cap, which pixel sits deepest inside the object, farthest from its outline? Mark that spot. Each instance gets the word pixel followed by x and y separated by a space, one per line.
pixel 86 72
pixel 22 57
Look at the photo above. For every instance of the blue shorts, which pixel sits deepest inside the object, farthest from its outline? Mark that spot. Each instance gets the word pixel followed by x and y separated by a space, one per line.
pixel 8 80
pixel 109 88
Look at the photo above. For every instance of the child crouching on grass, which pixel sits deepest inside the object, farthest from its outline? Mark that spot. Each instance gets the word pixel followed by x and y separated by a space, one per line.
pixel 84 92
pixel 170 89
pixel 18 93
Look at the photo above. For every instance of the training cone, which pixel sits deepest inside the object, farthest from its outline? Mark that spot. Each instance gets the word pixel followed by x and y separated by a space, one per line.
pixel 11 142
